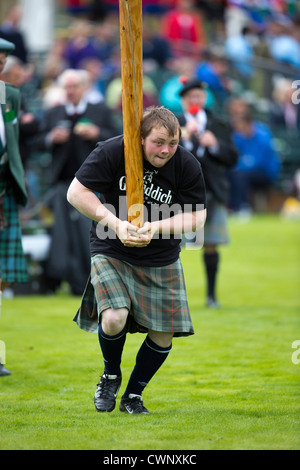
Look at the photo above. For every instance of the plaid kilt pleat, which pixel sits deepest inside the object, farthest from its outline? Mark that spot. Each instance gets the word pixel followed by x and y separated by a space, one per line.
pixel 216 225
pixel 155 296
pixel 13 267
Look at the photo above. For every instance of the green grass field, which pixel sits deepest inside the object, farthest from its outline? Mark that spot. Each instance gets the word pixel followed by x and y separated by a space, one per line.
pixel 233 385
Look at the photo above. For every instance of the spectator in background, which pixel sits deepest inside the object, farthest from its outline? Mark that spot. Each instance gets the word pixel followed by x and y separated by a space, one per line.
pixel 15 74
pixel 183 28
pixel 13 190
pixel 95 88
pixel 239 50
pixel 236 17
pixel 214 14
pixel 155 47
pixel 14 71
pixel 208 138
pixel 107 37
pixel 170 88
pixel 285 112
pixel 238 106
pixel 107 43
pixel 70 132
pixel 284 47
pixel 213 70
pixel 258 165
pixel 81 45
pixel 10 30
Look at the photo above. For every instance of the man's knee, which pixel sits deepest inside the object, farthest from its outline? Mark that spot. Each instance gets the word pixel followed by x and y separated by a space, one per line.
pixel 113 320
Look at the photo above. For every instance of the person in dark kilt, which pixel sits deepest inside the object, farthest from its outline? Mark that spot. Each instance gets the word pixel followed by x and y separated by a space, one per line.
pixel 137 282
pixel 208 138
pixel 13 192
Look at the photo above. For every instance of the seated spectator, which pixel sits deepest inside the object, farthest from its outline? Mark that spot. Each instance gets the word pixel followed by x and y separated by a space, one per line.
pixel 169 90
pixel 80 46
pixel 10 31
pixel 285 112
pixel 258 165
pixel 169 94
pixel 95 88
pixel 107 37
pixel 213 71
pixel 283 46
pixel 238 106
pixel 155 47
pixel 239 49
pixel 183 28
pixel 236 17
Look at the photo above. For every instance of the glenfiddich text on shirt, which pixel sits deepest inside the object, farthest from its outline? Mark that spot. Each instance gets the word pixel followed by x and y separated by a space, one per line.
pixel 151 192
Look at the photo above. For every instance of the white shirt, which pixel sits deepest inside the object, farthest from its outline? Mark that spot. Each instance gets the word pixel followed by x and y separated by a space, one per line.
pixel 3 158
pixel 2 129
pixel 201 118
pixel 79 108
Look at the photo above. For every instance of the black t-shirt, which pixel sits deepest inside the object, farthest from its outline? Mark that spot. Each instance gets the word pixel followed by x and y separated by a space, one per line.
pixel 179 185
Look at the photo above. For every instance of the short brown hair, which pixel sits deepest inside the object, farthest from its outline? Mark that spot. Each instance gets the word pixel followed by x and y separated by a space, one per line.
pixel 155 116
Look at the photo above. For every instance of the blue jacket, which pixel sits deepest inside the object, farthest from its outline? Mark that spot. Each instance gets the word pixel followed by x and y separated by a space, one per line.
pixel 257 152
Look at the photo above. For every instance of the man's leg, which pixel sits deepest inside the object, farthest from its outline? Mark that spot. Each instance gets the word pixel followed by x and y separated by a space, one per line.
pixel 211 259
pixel 151 355
pixel 112 336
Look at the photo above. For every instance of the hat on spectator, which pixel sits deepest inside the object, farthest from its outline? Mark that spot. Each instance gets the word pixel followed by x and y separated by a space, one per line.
pixel 190 84
pixel 6 47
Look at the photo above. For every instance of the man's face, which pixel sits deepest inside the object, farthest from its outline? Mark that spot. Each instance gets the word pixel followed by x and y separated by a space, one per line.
pixel 74 90
pixel 16 76
pixel 159 147
pixel 2 61
pixel 195 97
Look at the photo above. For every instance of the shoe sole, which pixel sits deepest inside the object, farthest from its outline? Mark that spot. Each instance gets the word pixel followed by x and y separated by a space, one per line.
pixel 105 411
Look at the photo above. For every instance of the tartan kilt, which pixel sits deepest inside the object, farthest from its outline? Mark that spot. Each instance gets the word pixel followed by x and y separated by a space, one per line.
pixel 215 229
pixel 155 296
pixel 216 224
pixel 13 266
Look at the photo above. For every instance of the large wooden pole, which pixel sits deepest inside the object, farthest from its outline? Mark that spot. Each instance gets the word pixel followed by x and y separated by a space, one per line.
pixel 131 42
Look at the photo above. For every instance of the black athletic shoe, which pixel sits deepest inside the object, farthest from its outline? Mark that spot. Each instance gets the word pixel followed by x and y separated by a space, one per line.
pixel 106 393
pixel 133 405
pixel 3 370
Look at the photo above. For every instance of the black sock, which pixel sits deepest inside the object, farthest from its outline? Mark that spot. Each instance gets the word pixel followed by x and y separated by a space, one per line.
pixel 148 360
pixel 211 263
pixel 112 348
